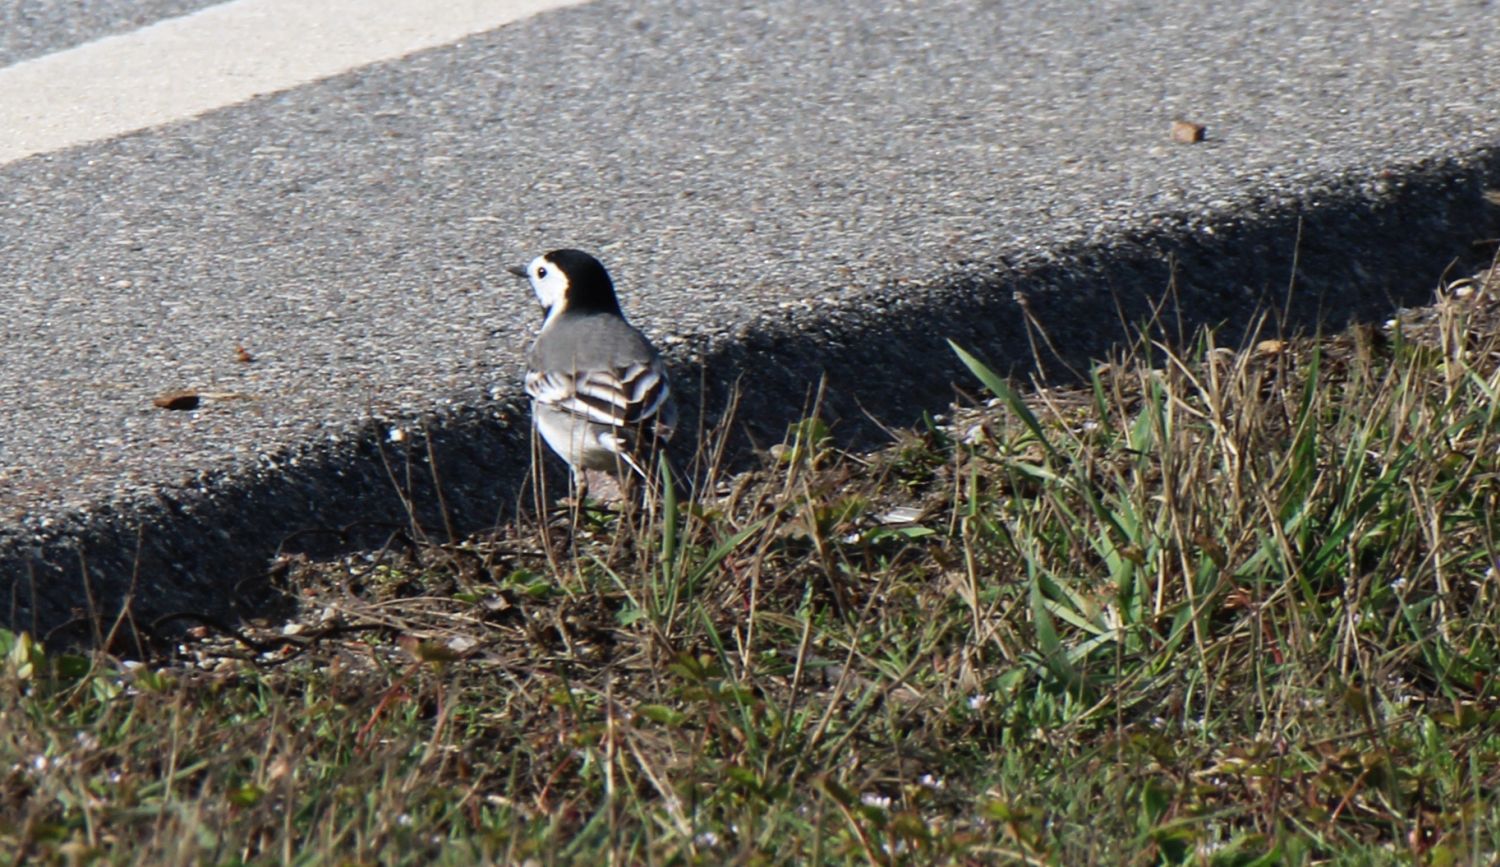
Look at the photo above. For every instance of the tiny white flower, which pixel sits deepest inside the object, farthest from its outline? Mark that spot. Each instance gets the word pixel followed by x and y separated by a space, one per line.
pixel 978 700
pixel 872 799
pixel 707 839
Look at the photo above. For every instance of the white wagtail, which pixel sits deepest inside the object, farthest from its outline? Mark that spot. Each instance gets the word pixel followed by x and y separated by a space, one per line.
pixel 599 391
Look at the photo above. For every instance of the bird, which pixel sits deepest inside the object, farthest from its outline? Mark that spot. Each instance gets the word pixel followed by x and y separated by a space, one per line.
pixel 600 395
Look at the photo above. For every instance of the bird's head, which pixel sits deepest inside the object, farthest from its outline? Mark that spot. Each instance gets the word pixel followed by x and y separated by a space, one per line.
pixel 570 280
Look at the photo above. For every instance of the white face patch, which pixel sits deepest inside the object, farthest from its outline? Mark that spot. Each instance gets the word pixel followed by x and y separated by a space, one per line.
pixel 549 283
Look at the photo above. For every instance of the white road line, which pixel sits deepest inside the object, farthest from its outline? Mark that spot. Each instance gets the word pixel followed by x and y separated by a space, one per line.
pixel 218 56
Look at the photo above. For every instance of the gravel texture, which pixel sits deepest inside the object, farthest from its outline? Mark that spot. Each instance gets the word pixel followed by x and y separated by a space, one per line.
pixel 781 190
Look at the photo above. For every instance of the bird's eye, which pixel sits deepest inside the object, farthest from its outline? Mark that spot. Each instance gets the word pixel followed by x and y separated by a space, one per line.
pixel 541 273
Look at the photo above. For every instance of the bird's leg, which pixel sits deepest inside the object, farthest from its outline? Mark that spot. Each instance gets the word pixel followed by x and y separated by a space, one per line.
pixel 564 511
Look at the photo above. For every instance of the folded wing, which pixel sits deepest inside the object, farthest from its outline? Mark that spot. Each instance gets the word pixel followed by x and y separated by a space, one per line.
pixel 632 396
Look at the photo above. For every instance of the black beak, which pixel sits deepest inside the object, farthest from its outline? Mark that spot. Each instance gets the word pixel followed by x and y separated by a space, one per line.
pixel 518 271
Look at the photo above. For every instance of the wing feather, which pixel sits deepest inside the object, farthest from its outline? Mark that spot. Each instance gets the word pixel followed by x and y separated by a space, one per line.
pixel 630 396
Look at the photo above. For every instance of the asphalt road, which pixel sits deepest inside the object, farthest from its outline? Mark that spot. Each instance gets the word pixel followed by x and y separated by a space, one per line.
pixel 782 190
pixel 34 28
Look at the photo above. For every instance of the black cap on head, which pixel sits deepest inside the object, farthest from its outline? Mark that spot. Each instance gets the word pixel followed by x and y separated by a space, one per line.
pixel 589 286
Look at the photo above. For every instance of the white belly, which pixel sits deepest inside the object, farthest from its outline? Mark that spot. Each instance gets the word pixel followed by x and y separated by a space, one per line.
pixel 583 444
